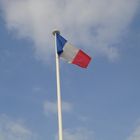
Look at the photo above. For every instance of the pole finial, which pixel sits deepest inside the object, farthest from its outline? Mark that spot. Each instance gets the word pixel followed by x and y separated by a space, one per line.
pixel 56 32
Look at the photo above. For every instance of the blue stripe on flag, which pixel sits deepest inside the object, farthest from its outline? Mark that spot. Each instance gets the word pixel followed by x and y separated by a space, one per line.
pixel 60 43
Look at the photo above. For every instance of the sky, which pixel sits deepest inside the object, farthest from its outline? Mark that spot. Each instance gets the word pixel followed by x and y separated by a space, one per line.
pixel 98 103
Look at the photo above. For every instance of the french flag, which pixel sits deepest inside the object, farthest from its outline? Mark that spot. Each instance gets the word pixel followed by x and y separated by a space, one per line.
pixel 71 54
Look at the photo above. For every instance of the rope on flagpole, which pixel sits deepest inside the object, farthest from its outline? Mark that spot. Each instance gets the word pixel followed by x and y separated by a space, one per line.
pixel 59 102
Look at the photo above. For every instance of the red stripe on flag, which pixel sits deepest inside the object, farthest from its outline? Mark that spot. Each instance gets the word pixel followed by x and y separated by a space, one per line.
pixel 81 59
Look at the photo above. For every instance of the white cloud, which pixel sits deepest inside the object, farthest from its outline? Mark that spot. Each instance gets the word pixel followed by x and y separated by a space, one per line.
pixel 51 107
pixel 97 25
pixel 83 118
pixel 37 89
pixel 78 134
pixel 136 134
pixel 13 130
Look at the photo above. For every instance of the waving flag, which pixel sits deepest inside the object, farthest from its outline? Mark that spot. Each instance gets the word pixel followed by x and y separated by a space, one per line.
pixel 70 53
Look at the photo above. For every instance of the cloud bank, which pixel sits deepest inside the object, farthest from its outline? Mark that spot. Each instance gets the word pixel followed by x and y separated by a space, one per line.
pixel 78 134
pixel 95 25
pixel 13 130
pixel 136 134
pixel 51 107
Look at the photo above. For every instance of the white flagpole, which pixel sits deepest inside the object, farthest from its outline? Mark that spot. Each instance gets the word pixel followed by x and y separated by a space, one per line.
pixel 59 103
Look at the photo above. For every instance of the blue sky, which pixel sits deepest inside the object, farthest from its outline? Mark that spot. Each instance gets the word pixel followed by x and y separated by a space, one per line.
pixel 99 103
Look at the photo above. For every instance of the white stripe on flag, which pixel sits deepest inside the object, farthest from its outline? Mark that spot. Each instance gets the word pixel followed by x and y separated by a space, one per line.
pixel 69 52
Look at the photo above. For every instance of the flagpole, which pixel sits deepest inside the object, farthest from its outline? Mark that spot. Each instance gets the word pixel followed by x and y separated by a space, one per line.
pixel 59 102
